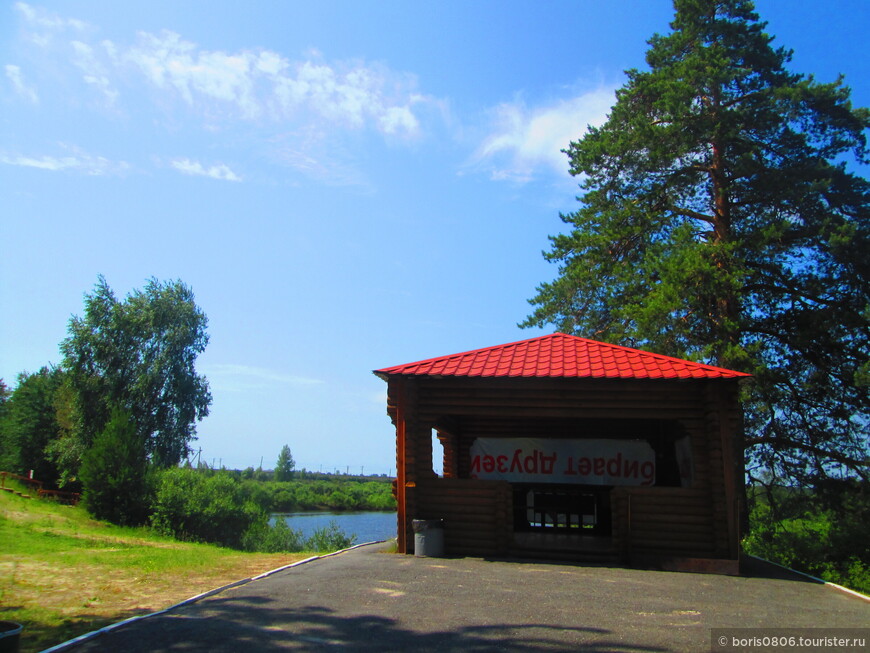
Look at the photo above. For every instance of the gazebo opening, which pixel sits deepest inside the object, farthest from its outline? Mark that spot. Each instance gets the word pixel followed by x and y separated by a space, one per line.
pixel 437 455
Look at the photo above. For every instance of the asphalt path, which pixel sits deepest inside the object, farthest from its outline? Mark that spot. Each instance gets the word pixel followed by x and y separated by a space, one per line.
pixel 367 599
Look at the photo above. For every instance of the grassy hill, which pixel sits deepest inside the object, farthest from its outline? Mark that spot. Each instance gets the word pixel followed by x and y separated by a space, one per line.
pixel 63 574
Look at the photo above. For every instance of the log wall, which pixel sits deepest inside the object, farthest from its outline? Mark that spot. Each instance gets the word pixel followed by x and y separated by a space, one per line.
pixel 700 521
pixel 477 514
pixel 664 521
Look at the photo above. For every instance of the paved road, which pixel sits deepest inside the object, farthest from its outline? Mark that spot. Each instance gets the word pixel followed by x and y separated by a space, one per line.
pixel 369 600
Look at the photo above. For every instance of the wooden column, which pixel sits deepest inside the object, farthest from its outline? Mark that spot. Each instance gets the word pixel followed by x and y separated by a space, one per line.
pixel 396 392
pixel 447 429
pixel 404 392
pixel 449 464
pixel 420 437
pixel 721 410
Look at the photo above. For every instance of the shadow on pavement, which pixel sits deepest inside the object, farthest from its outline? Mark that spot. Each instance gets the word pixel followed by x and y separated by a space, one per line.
pixel 252 624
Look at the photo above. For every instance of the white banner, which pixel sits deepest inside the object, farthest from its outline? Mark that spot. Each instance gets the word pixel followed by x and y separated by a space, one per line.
pixel 540 460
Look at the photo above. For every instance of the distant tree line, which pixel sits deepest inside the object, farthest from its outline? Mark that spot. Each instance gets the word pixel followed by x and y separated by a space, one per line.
pixel 305 490
pixel 335 495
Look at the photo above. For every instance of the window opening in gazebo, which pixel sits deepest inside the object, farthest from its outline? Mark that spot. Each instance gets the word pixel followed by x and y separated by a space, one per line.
pixel 437 455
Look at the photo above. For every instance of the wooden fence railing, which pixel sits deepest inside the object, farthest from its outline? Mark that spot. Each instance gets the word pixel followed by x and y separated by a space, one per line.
pixel 70 498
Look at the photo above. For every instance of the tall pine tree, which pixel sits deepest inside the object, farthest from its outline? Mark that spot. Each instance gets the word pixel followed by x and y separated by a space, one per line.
pixel 721 221
pixel 285 465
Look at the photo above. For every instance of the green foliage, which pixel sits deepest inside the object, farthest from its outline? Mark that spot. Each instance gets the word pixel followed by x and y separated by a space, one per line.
pixel 116 474
pixel 29 424
pixel 329 495
pixel 226 508
pixel 196 507
pixel 329 538
pixel 5 393
pixel 720 222
pixel 825 533
pixel 275 538
pixel 138 354
pixel 280 538
pixel 65 451
pixel 285 465
pixel 256 492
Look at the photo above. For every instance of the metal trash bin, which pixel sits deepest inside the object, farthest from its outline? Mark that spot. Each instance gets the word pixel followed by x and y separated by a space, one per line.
pixel 428 538
pixel 10 636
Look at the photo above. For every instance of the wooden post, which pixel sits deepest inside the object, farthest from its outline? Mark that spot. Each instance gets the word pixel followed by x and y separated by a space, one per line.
pixel 401 476
pixel 720 410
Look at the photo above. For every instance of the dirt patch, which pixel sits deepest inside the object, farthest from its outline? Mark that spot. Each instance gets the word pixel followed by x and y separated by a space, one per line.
pixel 64 601
pixel 98 591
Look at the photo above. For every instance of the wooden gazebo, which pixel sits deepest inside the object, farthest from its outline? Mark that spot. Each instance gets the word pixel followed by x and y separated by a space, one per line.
pixel 564 447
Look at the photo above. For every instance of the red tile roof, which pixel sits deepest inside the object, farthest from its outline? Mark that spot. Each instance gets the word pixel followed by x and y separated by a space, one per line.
pixel 564 356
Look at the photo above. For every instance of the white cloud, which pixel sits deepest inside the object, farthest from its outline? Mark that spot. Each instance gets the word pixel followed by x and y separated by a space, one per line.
pixel 270 63
pixel 264 83
pixel 251 84
pixel 399 119
pixel 21 87
pixel 220 171
pixel 171 63
pixel 94 72
pixel 75 161
pixel 524 139
pixel 38 17
pixel 42 26
pixel 284 100
pixel 233 377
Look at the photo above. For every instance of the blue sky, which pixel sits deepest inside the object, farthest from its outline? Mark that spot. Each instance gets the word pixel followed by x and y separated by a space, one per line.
pixel 345 185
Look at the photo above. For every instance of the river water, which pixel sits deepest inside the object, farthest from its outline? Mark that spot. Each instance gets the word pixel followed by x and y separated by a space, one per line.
pixel 365 526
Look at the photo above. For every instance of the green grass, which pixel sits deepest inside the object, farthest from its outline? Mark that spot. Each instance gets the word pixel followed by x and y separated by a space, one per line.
pixel 63 574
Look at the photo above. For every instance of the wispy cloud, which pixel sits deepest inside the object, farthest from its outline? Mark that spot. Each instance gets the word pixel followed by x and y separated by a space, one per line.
pixel 319 156
pixel 263 83
pixel 248 84
pixel 219 171
pixel 296 111
pixel 94 72
pixel 14 74
pixel 301 107
pixel 523 139
pixel 42 19
pixel 233 377
pixel 180 67
pixel 75 160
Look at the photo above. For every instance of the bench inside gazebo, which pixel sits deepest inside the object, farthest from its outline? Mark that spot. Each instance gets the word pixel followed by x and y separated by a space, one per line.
pixel 567 448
